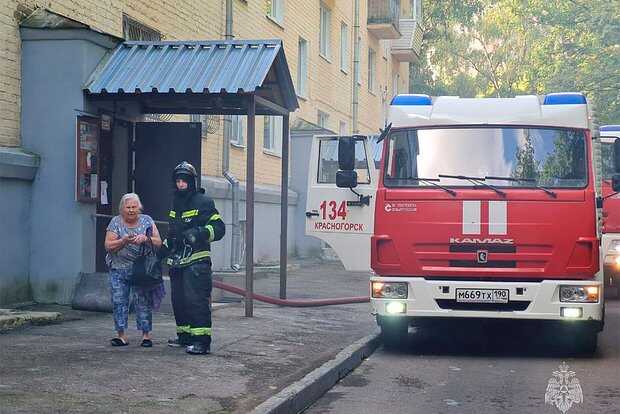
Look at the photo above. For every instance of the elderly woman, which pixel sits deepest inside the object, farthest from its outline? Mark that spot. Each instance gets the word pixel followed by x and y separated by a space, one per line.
pixel 126 234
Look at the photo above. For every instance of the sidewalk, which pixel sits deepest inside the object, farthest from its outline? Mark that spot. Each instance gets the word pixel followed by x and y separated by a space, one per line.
pixel 69 367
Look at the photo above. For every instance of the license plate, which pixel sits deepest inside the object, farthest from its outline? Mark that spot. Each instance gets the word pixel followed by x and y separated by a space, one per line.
pixel 482 295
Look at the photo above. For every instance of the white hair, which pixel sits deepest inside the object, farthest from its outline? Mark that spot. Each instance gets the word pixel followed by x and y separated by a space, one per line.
pixel 129 196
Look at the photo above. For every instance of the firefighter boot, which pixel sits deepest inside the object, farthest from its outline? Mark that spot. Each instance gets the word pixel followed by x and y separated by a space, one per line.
pixel 182 339
pixel 198 348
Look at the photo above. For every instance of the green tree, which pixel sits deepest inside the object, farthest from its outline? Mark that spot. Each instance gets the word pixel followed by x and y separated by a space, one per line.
pixel 507 47
pixel 526 166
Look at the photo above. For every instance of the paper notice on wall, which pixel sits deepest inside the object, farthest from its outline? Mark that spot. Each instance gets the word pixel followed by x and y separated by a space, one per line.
pixel 104 193
pixel 93 186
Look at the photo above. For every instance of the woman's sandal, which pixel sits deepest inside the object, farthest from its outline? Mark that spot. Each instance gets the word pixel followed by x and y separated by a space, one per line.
pixel 146 343
pixel 118 342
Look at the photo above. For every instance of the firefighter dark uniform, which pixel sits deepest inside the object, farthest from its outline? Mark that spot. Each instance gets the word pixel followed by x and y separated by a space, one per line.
pixel 194 223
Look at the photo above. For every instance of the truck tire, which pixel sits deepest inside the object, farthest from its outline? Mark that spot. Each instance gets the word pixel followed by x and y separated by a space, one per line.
pixel 393 331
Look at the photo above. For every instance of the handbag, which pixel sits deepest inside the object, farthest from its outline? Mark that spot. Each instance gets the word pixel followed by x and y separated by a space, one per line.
pixel 146 270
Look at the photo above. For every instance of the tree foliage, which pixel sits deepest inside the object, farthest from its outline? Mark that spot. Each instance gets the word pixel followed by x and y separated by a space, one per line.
pixel 503 48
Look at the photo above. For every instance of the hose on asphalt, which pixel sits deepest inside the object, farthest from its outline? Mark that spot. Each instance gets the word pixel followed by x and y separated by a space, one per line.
pixel 298 303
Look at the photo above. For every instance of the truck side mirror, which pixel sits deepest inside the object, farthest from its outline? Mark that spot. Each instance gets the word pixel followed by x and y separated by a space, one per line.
pixel 347 179
pixel 615 183
pixel 617 156
pixel 346 154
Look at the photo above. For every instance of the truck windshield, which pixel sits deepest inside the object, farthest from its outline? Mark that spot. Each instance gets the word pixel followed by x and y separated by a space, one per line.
pixel 534 157
pixel 607 153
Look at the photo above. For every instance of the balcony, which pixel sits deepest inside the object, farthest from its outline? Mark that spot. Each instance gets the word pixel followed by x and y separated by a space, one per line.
pixel 383 18
pixel 407 47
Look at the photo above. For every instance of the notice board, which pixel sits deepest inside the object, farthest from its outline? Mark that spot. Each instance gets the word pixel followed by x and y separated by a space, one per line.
pixel 87 159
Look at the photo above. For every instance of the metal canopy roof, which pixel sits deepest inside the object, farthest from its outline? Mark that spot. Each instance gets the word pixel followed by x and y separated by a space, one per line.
pixel 197 76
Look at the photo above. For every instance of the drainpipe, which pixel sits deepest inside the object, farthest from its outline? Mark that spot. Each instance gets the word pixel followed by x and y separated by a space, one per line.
pixel 229 20
pixel 356 65
pixel 232 180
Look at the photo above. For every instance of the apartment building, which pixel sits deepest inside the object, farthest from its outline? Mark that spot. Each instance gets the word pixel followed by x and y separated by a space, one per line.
pixel 346 59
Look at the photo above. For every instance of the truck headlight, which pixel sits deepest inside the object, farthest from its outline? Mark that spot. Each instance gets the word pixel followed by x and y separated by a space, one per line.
pixel 389 290
pixel 579 294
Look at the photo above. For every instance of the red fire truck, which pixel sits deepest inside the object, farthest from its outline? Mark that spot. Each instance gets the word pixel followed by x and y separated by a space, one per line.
pixel 469 208
pixel 611 213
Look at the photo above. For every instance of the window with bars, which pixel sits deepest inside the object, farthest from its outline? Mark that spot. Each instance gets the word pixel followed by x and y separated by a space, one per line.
pixel 134 30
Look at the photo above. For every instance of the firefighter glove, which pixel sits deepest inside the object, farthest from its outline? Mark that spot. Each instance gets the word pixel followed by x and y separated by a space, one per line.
pixel 192 235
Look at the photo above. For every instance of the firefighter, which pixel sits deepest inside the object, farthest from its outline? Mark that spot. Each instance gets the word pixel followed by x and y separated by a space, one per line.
pixel 194 223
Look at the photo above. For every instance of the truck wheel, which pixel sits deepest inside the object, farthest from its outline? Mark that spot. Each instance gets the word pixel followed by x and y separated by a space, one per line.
pixel 393 332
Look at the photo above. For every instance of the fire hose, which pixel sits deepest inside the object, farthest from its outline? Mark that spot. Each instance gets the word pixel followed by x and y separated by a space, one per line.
pixel 291 302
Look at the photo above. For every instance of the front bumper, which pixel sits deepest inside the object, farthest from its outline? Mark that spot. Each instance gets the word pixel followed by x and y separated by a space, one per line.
pixel 527 300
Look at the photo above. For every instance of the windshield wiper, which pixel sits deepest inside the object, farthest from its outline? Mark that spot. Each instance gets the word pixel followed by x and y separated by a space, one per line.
pixel 474 180
pixel 527 180
pixel 434 181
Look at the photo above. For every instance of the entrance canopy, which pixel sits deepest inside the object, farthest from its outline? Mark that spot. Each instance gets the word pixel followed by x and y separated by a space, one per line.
pixel 197 77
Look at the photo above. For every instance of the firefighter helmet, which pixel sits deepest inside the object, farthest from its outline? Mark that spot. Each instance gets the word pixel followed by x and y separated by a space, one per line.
pixel 187 173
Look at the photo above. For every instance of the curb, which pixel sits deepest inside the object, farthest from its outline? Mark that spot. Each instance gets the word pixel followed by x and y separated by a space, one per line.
pixel 301 394
pixel 10 319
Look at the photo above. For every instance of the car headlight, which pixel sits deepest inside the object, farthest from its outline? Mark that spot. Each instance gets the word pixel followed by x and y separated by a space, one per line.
pixel 389 290
pixel 579 294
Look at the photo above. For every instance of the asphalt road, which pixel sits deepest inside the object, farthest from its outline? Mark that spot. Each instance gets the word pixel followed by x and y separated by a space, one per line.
pixel 467 369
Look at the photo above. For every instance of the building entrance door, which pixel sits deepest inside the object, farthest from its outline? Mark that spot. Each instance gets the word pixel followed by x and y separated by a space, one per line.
pixel 158 148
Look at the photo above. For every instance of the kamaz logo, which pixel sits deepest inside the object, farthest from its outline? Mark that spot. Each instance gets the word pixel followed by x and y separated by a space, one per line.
pixel 472 240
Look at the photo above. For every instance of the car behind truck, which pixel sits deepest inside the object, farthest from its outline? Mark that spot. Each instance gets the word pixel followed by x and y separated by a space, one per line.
pixel 469 208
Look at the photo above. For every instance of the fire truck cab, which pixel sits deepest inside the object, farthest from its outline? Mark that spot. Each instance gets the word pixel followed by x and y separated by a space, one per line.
pixel 611 213
pixel 483 208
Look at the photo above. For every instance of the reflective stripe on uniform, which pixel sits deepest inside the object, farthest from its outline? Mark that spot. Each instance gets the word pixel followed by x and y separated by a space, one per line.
pixel 211 232
pixel 200 331
pixel 172 214
pixel 189 259
pixel 215 217
pixel 183 329
pixel 189 213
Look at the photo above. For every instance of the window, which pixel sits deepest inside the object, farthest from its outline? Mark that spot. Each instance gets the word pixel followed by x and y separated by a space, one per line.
pixel 416 9
pixel 328 162
pixel 372 69
pixel 342 128
pixel 234 129
pixel 322 119
pixel 325 31
pixel 276 11
pixel 272 134
pixel 344 47
pixel 134 30
pixel 302 68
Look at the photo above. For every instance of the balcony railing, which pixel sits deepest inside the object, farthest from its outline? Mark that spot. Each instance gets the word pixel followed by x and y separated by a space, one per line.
pixel 383 18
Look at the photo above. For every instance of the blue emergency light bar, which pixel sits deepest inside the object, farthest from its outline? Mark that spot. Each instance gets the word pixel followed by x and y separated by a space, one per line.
pixel 609 128
pixel 412 100
pixel 565 98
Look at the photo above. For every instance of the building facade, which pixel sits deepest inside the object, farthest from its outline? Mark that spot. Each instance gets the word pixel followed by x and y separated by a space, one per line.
pixel 339 91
